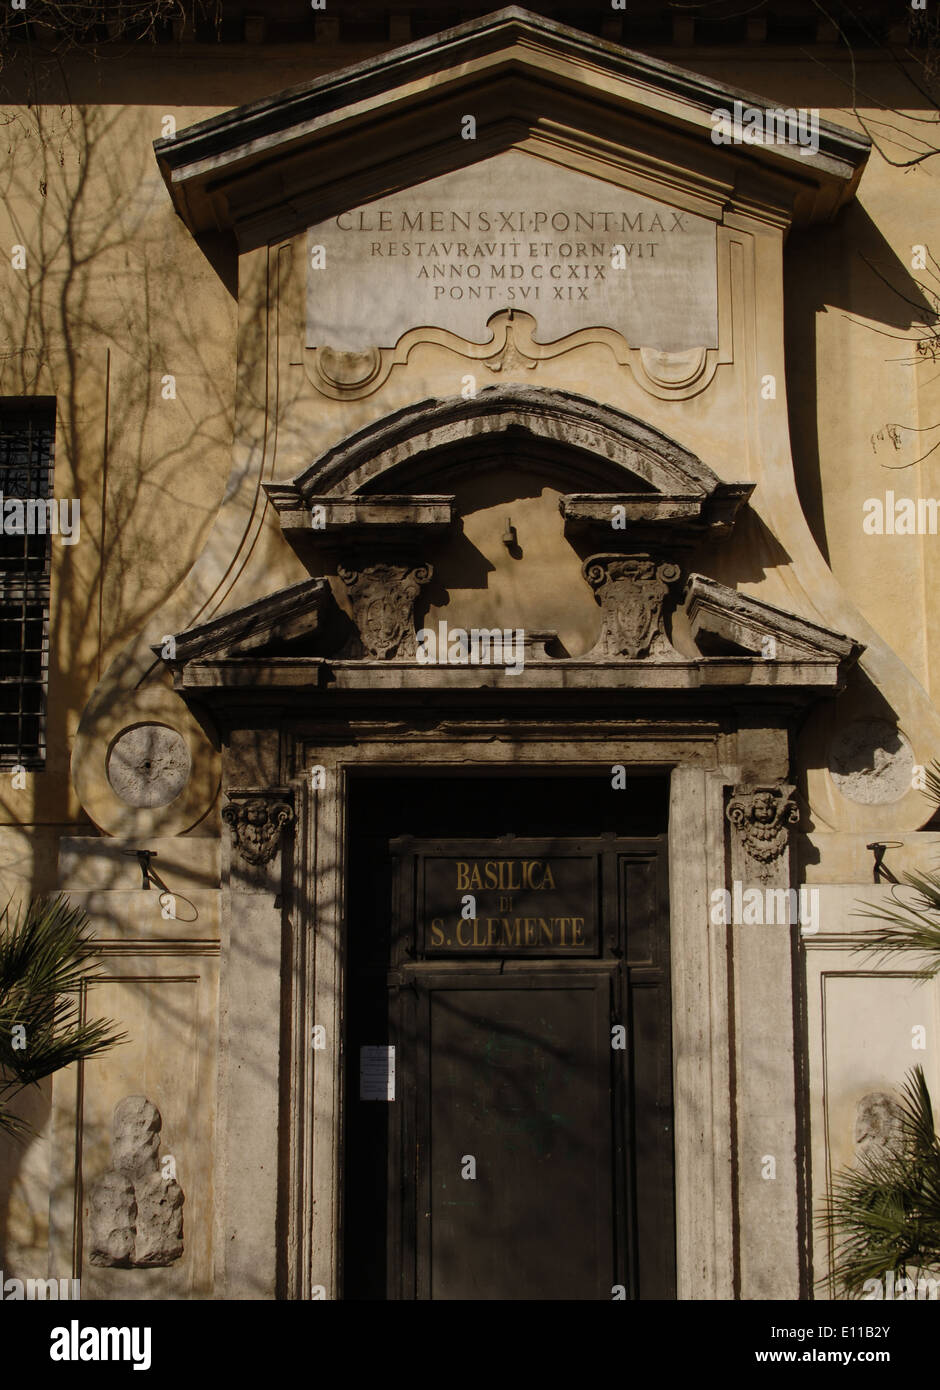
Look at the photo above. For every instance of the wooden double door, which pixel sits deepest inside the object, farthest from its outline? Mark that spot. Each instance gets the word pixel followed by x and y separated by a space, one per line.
pixel 508 1098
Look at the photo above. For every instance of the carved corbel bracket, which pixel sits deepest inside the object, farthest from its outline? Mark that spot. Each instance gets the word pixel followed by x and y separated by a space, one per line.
pixel 383 597
pixel 631 590
pixel 761 816
pixel 256 818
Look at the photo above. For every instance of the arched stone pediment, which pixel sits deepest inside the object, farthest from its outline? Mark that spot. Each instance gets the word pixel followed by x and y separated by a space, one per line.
pixel 400 464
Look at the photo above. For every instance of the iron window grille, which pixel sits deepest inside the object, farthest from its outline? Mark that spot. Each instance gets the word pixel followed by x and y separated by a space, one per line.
pixel 27 437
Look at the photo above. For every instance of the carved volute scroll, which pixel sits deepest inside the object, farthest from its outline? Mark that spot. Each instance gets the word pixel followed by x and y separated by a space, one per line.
pixel 631 590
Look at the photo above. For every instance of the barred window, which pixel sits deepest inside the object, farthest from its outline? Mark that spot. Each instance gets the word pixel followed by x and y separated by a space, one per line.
pixel 27 435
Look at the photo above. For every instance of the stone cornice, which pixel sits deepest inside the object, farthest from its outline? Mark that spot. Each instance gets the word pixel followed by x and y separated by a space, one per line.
pixel 729 680
pixel 747 647
pixel 402 518
pixel 270 148
pixel 298 611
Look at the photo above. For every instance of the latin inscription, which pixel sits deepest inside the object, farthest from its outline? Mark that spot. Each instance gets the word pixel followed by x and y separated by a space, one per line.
pixel 529 906
pixel 513 232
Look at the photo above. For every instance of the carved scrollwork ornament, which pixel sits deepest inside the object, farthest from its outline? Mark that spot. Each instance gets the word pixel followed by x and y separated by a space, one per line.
pixel 383 597
pixel 762 817
pixel 256 824
pixel 631 590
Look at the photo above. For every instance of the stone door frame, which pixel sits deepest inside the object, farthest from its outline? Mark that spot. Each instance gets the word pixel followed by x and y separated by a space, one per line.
pixel 708 1209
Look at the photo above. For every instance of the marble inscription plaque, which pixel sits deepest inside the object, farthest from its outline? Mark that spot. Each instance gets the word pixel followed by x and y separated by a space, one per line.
pixel 513 232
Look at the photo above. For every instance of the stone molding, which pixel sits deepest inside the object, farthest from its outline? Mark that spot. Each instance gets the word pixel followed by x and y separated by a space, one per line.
pixel 222 173
pixel 753 625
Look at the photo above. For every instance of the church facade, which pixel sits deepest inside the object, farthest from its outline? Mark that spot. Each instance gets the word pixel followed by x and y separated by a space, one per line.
pixel 479 697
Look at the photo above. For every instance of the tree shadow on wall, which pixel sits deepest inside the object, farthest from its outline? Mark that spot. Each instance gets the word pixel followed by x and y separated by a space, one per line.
pixel 845 267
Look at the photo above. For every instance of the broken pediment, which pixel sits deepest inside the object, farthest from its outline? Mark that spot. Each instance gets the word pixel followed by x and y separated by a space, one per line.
pixel 289 642
pixel 724 622
pixel 301 619
pixel 361 490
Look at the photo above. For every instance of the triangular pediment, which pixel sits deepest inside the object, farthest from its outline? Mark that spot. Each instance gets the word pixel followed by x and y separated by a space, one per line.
pixel 724 622
pixel 299 618
pixel 269 169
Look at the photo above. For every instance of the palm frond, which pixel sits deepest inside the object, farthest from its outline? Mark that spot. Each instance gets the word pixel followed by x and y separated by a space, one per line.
pixel 932 780
pixel 907 926
pixel 47 958
pixel 884 1212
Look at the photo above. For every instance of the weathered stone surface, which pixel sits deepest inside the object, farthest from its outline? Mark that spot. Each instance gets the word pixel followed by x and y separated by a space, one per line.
pixel 383 598
pixel 135 1144
pixel 877 1123
pixel 256 823
pixel 149 765
pixel 871 762
pixel 136 1214
pixel 159 1221
pixel 113 1216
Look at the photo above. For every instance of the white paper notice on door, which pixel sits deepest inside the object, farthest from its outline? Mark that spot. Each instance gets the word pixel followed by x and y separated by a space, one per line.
pixel 376 1073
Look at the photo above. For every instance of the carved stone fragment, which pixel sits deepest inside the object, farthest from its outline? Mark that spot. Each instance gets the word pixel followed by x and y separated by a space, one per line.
pixel 878 1128
pixel 159 1221
pixel 136 1212
pixel 631 590
pixel 383 597
pixel 113 1220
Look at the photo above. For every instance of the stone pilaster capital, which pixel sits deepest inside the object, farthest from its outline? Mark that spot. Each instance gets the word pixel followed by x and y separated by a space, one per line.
pixel 761 816
pixel 256 818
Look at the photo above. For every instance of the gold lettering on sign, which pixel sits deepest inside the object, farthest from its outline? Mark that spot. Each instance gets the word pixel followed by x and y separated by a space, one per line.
pixel 532 928
pixel 489 932
pixel 507 875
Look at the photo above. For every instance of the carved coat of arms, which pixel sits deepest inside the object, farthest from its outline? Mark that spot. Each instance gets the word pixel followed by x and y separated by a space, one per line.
pixel 383 598
pixel 631 590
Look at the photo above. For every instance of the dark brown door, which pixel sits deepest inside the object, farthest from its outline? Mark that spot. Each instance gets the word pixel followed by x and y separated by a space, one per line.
pixel 527 1150
pixel 513 1137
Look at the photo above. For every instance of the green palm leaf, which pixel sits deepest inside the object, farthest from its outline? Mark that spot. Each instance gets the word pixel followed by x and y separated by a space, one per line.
pixel 47 959
pixel 884 1213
